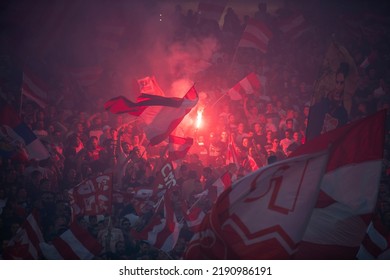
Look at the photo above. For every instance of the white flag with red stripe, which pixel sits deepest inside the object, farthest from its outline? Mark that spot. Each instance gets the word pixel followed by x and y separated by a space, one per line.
pixel 74 244
pixel 193 217
pixel 25 244
pixel 248 85
pixel 178 147
pixel 256 35
pixel 35 88
pixel 349 189
pixel 264 214
pixel 163 229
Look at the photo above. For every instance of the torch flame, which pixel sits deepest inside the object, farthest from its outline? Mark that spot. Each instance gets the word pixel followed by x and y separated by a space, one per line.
pixel 199 119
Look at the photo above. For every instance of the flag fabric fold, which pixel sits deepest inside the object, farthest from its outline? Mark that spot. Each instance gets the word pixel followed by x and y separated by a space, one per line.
pixel 74 244
pixel 178 147
pixel 248 85
pixel 376 242
pixel 163 229
pixel 349 189
pixel 264 214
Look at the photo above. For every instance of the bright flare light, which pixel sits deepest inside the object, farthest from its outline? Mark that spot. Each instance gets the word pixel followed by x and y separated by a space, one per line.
pixel 199 118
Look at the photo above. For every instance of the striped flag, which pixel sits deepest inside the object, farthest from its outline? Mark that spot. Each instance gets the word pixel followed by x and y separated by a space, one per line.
pixel 22 136
pixel 35 89
pixel 349 188
pixel 25 245
pixel 178 146
pixel 163 229
pixel 256 35
pixel 248 85
pixel 74 244
pixel 294 26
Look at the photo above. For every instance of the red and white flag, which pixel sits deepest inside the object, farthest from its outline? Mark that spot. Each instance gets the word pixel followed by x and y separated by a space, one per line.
pixel 161 115
pixel 376 242
pixel 256 35
pixel 93 196
pixel 215 190
pixel 193 216
pixel 248 85
pixel 149 85
pixel 74 244
pixel 349 188
pixel 25 245
pixel 264 214
pixel 163 229
pixel 35 88
pixel 178 147
pixel 87 75
pixel 211 9
pixel 294 26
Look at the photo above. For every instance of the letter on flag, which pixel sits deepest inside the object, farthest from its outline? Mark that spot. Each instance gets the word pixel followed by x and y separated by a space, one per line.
pixel 248 85
pixel 264 214
pixel 256 35
pixel 349 188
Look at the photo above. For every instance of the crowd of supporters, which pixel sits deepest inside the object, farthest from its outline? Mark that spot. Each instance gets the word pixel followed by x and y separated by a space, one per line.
pixel 261 128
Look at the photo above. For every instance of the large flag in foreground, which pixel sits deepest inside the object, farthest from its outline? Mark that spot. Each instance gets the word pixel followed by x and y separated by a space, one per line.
pixel 20 135
pixel 264 214
pixel 248 85
pixel 74 244
pixel 349 188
